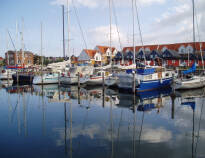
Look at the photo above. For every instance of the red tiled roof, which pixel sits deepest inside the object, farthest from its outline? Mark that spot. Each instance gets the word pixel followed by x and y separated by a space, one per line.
pixel 103 49
pixel 1 58
pixel 90 52
pixel 175 46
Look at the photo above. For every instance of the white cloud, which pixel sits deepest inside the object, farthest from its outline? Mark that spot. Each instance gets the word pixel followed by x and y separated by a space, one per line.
pixel 101 36
pixel 104 3
pixel 178 19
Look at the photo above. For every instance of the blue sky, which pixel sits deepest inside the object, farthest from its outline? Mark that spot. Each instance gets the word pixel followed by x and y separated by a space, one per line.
pixel 162 21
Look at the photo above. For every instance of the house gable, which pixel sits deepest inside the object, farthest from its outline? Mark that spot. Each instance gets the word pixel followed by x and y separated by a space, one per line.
pixel 83 56
pixel 98 57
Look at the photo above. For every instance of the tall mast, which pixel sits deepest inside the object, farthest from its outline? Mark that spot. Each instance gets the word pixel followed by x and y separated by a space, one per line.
pixel 63 32
pixel 139 27
pixel 133 20
pixel 7 47
pixel 110 10
pixel 68 26
pixel 17 35
pixel 22 42
pixel 194 26
pixel 41 47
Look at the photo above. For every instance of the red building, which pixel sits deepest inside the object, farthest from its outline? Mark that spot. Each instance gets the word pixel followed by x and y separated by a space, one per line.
pixel 173 55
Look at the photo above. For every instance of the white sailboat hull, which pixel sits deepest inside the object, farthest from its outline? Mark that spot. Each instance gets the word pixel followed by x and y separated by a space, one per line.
pixel 195 82
pixel 46 79
pixel 95 81
pixel 68 80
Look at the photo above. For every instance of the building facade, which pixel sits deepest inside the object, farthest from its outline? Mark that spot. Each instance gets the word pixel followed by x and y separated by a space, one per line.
pixel 14 58
pixel 100 55
pixel 174 55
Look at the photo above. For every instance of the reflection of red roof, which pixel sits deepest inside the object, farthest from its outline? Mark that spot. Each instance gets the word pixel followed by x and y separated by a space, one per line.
pixel 91 53
pixel 175 46
pixel 103 49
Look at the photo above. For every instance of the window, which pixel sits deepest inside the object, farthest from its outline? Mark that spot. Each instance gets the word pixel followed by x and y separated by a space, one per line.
pixel 19 61
pixel 173 61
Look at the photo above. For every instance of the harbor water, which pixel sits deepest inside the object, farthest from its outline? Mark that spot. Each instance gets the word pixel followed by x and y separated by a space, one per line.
pixel 55 122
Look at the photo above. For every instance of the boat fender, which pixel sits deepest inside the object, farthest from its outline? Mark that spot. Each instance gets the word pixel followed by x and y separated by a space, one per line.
pixel 160 80
pixel 138 81
pixel 68 74
pixel 81 75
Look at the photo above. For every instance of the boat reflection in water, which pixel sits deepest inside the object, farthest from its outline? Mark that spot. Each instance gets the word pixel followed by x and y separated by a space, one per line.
pixel 96 122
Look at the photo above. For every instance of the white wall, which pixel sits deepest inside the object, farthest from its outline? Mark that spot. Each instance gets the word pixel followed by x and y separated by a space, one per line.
pixel 98 56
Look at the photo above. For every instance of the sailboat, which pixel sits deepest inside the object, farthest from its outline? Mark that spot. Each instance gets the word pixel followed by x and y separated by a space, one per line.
pixel 96 78
pixel 193 81
pixel 112 79
pixel 26 75
pixel 144 78
pixel 48 78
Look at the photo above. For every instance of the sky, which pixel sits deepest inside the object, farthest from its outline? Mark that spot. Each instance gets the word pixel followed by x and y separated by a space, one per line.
pixel 161 21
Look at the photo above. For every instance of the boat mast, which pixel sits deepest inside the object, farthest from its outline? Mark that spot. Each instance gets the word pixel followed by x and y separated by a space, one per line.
pixel 17 39
pixel 7 47
pixel 22 42
pixel 68 26
pixel 110 31
pixel 63 33
pixel 139 27
pixel 42 52
pixel 194 44
pixel 133 31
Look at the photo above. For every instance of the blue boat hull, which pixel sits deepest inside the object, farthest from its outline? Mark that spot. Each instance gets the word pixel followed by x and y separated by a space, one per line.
pixel 153 84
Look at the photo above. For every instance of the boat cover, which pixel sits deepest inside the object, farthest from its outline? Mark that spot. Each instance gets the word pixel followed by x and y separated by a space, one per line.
pixel 190 70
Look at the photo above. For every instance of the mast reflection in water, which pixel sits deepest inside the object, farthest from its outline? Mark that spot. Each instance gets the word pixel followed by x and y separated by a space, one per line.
pixel 51 121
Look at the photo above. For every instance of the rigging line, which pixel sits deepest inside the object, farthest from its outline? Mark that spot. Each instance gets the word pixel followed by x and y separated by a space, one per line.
pixel 140 31
pixel 11 39
pixel 78 21
pixel 116 23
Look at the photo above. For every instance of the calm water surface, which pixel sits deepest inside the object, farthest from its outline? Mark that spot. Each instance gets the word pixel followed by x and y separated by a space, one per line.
pixel 52 122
